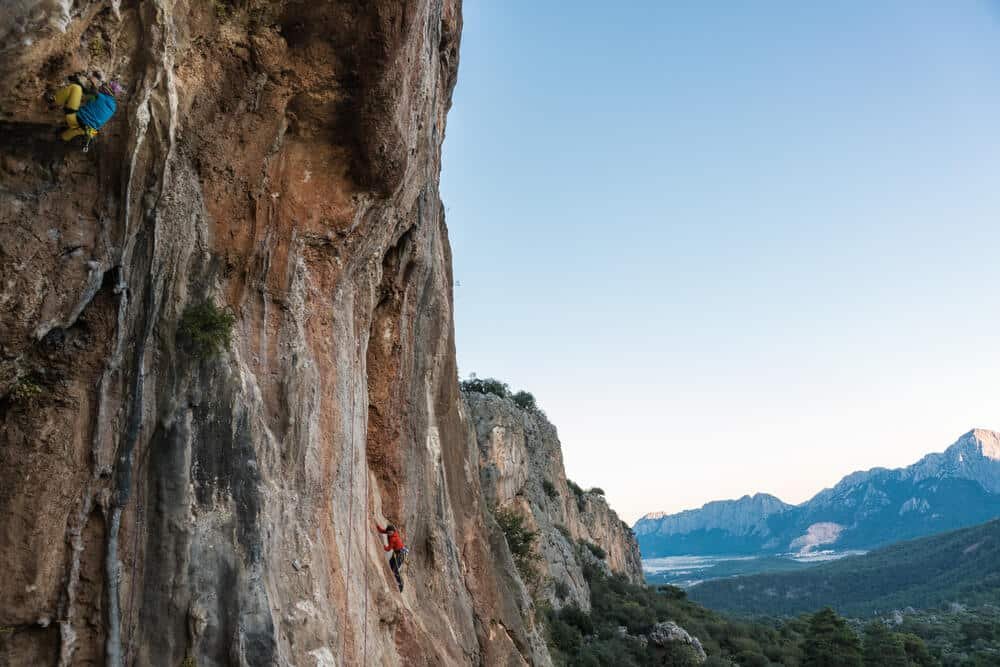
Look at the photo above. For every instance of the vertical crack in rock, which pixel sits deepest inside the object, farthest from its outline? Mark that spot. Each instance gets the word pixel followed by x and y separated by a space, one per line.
pixel 159 31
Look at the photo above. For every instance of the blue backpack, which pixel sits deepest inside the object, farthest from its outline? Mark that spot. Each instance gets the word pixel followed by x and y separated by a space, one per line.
pixel 95 113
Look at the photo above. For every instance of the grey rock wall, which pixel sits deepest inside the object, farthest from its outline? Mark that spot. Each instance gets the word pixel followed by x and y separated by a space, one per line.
pixel 521 468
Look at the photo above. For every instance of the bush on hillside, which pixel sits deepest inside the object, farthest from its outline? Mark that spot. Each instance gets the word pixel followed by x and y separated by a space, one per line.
pixel 597 490
pixel 716 661
pixel 883 647
pixel 830 642
pixel 671 592
pixel 550 489
pixel 578 619
pixel 955 634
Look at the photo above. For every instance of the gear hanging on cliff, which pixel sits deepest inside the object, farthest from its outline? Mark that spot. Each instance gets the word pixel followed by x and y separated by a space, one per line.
pixel 91 134
pixel 404 557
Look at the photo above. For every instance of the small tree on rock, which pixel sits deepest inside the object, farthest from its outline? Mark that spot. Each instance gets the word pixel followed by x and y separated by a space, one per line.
pixel 525 400
pixel 206 328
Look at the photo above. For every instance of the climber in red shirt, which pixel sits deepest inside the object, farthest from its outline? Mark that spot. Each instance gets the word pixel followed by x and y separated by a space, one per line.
pixel 398 550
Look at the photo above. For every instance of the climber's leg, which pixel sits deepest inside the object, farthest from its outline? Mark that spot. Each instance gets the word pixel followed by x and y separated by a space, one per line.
pixel 394 564
pixel 74 130
pixel 69 97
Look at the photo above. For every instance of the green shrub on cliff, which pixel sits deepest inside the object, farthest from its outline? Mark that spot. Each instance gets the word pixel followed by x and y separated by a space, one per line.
pixel 96 46
pixel 486 386
pixel 581 499
pixel 521 542
pixel 206 328
pixel 550 489
pixel 522 399
pixel 223 10
pixel 26 391
pixel 525 400
pixel 598 552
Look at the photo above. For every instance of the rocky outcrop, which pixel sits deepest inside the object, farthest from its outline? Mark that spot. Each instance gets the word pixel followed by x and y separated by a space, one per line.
pixel 159 506
pixel 521 467
pixel 668 633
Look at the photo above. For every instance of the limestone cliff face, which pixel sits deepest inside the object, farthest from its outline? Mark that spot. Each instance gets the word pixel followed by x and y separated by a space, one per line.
pixel 521 466
pixel 281 160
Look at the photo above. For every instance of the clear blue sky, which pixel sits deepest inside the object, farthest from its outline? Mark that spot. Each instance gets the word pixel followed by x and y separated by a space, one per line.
pixel 731 246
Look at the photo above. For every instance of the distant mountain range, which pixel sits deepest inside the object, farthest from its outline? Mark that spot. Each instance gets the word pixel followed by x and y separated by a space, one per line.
pixel 959 566
pixel 957 488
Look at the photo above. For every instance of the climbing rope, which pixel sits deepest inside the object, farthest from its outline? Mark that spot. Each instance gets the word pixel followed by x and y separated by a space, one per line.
pixel 350 524
pixel 350 529
pixel 367 523
pixel 139 529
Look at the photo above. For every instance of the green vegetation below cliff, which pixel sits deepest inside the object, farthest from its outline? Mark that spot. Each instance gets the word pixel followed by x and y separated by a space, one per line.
pixel 628 624
pixel 624 615
pixel 960 566
pixel 943 574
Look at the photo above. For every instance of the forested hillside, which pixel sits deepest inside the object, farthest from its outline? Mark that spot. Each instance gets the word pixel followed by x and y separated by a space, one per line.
pixel 960 566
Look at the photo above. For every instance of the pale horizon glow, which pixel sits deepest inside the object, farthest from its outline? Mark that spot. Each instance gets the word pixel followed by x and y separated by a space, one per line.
pixel 730 252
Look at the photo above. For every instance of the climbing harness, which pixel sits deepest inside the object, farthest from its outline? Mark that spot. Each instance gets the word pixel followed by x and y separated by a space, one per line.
pixel 405 554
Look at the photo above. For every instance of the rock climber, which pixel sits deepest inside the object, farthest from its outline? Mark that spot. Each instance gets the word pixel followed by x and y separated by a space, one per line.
pixel 97 108
pixel 398 550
